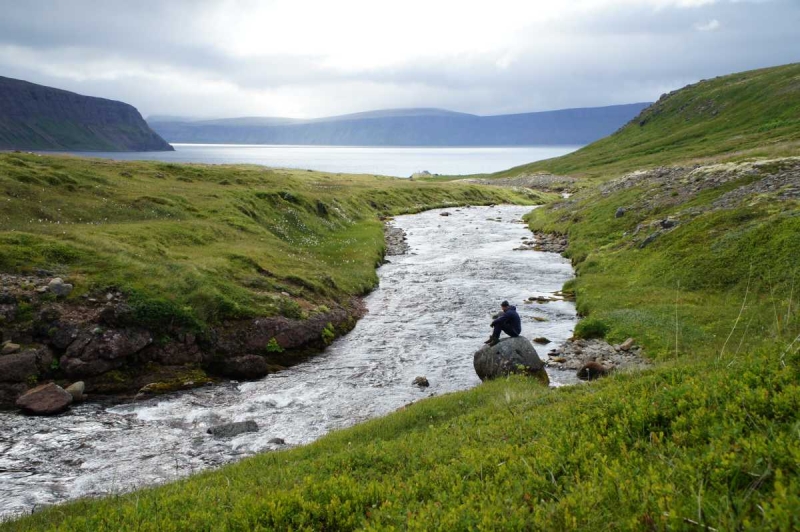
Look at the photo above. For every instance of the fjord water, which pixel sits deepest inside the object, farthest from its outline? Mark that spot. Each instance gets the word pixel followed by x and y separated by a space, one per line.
pixel 429 314
pixel 389 161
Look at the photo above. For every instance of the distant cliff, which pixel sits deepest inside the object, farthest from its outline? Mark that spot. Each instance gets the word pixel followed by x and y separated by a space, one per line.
pixel 408 127
pixel 35 117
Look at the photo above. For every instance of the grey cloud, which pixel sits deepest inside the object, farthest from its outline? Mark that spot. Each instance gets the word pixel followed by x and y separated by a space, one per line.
pixel 611 57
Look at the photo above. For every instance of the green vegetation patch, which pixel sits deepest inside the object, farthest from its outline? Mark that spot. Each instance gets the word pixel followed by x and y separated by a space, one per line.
pixel 193 245
pixel 714 444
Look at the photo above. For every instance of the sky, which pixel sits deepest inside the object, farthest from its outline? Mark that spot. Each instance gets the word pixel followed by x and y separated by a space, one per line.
pixel 306 59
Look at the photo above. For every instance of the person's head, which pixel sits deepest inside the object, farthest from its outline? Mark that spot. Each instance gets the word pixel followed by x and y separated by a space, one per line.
pixel 504 306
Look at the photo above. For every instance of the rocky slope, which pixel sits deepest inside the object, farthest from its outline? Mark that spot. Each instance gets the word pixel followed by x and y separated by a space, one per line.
pixel 35 117
pixel 98 341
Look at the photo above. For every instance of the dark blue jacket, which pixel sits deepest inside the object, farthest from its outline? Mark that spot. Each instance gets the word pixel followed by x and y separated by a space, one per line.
pixel 509 318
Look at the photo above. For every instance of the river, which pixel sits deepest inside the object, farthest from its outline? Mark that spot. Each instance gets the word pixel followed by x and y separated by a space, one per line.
pixel 429 314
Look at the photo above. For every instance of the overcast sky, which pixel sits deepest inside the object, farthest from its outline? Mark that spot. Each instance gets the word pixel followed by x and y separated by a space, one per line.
pixel 317 58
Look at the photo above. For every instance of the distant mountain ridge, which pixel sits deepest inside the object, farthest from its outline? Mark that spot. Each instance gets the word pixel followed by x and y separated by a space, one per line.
pixel 36 117
pixel 407 127
pixel 753 113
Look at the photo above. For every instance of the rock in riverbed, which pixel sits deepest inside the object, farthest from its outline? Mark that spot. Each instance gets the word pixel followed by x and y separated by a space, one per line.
pixel 45 400
pixel 76 390
pixel 422 382
pixel 229 430
pixel 510 355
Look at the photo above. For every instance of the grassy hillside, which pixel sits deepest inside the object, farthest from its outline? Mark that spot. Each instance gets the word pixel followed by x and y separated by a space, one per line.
pixel 197 244
pixel 750 114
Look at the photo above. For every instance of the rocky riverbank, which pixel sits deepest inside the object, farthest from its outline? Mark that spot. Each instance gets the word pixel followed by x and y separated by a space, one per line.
pixel 99 339
pixel 549 242
pixel 544 181
pixel 600 356
pixel 396 241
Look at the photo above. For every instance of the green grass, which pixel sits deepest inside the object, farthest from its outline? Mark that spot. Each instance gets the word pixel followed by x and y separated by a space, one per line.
pixel 194 245
pixel 702 270
pixel 741 116
pixel 713 443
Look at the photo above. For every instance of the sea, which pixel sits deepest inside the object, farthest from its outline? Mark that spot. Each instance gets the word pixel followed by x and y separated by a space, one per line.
pixel 387 161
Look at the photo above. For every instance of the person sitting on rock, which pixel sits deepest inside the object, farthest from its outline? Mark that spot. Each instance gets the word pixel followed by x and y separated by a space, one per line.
pixel 508 322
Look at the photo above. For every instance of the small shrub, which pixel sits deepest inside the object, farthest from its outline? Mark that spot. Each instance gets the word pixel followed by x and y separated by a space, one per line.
pixel 591 328
pixel 328 334
pixel 273 346
pixel 289 308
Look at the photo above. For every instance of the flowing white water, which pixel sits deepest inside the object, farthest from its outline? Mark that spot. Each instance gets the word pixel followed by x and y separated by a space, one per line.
pixel 430 313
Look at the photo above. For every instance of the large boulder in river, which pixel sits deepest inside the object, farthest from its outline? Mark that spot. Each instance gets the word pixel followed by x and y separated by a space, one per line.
pixel 229 430
pixel 510 355
pixel 45 400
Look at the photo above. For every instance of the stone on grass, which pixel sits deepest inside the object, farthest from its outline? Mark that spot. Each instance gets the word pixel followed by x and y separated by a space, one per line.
pixel 509 355
pixel 627 344
pixel 45 400
pixel 229 430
